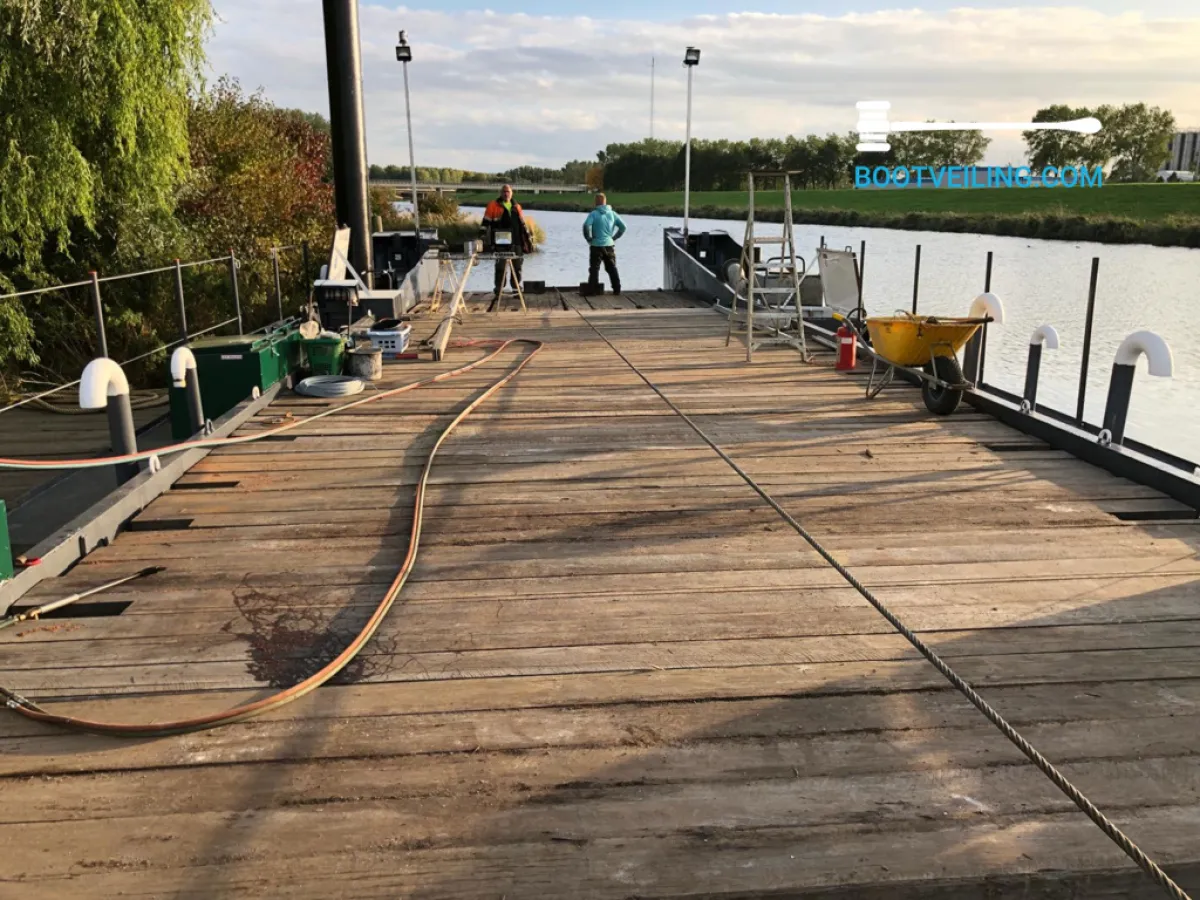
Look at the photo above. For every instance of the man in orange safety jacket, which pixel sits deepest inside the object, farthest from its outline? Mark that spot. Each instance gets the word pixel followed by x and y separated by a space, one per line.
pixel 502 214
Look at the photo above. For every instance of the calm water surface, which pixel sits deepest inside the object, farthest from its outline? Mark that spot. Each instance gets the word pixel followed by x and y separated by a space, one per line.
pixel 1040 282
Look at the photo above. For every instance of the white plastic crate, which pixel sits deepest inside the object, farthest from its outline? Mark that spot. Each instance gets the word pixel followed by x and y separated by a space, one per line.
pixel 390 340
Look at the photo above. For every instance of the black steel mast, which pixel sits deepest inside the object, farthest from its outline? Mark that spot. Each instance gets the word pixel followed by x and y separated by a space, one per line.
pixel 343 60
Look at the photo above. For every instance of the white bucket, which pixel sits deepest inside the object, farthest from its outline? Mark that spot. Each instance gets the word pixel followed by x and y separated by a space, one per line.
pixel 365 363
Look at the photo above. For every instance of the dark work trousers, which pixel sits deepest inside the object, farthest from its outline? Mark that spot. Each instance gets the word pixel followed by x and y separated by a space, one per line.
pixel 608 256
pixel 500 272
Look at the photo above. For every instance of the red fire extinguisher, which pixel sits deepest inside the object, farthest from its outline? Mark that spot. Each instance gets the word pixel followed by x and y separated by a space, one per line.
pixel 847 348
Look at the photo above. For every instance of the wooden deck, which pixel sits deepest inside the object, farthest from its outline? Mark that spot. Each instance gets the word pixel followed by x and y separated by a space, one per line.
pixel 559 298
pixel 615 672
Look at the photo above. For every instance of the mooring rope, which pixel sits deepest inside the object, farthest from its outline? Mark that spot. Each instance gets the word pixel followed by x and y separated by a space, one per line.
pixel 1122 840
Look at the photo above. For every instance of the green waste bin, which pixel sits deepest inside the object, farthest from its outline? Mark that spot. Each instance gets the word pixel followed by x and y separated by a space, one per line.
pixel 230 368
pixel 326 355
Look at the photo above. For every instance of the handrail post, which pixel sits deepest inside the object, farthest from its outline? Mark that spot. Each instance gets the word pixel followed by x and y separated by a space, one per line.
pixel 916 278
pixel 278 289
pixel 98 310
pixel 183 326
pixel 237 303
pixel 1087 341
pixel 987 289
pixel 862 272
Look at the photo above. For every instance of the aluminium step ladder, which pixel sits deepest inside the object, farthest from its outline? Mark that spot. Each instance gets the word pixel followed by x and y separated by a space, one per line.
pixel 775 283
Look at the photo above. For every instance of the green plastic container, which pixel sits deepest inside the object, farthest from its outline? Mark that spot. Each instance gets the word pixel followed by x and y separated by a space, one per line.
pixel 6 560
pixel 326 355
pixel 230 368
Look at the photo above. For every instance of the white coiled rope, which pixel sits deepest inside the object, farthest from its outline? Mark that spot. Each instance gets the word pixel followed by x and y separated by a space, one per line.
pixel 330 386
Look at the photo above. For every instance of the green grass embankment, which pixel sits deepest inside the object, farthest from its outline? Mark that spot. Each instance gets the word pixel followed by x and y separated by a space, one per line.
pixel 1162 214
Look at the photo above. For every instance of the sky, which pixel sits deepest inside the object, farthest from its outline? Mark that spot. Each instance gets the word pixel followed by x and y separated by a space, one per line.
pixel 539 82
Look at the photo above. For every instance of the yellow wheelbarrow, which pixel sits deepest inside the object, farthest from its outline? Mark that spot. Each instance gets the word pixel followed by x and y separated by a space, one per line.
pixel 925 346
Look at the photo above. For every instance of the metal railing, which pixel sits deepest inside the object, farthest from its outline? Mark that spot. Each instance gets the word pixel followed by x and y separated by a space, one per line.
pixel 95 282
pixel 1111 430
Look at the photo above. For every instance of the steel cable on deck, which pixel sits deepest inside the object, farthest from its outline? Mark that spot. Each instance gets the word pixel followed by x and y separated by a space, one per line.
pixel 1047 768
pixel 31 710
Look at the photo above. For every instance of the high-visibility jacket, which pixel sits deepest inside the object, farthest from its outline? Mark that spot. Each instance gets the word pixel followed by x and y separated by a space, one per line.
pixel 496 216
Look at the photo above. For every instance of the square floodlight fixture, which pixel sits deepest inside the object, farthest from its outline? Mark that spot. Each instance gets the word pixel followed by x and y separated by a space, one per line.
pixel 403 51
pixel 691 57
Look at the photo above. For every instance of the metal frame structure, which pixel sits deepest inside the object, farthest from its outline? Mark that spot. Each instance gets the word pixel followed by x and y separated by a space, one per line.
pixel 763 281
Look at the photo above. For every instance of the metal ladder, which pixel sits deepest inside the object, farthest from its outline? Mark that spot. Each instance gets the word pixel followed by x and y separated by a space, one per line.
pixel 778 278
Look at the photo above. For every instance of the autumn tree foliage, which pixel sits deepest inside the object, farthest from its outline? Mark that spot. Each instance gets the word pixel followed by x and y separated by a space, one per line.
pixel 259 175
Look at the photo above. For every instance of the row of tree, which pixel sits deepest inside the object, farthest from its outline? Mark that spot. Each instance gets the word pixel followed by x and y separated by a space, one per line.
pixel 820 162
pixel 1134 139
pixel 574 172
pixel 1132 145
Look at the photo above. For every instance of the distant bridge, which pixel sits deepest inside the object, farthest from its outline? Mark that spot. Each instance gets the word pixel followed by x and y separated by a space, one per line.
pixel 404 188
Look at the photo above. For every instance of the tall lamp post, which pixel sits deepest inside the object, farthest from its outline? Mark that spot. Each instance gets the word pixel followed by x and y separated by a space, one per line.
pixel 404 55
pixel 691 59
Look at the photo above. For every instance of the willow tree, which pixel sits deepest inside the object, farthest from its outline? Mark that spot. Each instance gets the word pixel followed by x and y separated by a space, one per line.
pixel 93 131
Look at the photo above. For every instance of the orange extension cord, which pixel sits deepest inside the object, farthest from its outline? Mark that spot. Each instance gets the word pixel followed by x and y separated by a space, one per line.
pixel 31 710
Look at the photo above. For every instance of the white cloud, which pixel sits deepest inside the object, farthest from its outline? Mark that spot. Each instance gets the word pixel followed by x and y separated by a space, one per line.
pixel 494 90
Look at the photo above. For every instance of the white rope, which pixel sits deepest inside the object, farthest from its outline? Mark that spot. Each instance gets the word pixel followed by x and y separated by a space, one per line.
pixel 330 386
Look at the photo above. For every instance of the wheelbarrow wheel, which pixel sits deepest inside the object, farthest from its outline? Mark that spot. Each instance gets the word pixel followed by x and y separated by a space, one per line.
pixel 939 399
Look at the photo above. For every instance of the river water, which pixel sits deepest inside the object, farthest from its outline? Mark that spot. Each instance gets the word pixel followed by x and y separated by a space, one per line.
pixel 1039 282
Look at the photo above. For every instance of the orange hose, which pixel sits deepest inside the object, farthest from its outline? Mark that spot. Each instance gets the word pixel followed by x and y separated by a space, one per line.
pixel 31 710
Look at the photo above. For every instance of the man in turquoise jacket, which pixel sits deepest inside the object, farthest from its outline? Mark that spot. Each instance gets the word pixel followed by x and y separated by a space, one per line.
pixel 602 229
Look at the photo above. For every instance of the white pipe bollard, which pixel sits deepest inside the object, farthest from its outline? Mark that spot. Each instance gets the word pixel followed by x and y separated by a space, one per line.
pixel 184 375
pixel 1043 336
pixel 103 385
pixel 1120 386
pixel 985 305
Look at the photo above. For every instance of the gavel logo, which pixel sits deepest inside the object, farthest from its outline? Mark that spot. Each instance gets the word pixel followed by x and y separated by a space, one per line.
pixel 874 127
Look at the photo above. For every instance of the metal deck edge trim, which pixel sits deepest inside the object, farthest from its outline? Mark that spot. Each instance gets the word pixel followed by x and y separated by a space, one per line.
pixel 100 524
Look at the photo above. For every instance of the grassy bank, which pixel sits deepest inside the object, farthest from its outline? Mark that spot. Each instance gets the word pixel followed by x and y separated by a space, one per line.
pixel 1161 214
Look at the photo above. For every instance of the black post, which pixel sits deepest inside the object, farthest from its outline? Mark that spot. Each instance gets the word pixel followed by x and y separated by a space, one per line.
pixel 822 242
pixel 987 289
pixel 191 384
pixel 1031 375
pixel 304 266
pixel 121 433
pixel 1087 340
pixel 916 278
pixel 237 302
pixel 98 310
pixel 343 58
pixel 862 269
pixel 1116 409
pixel 183 329
pixel 278 288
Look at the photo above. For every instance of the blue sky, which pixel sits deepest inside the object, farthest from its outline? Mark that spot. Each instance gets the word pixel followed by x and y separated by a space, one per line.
pixel 540 83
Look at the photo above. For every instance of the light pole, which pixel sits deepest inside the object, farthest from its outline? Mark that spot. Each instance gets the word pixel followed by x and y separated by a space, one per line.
pixel 691 59
pixel 404 55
